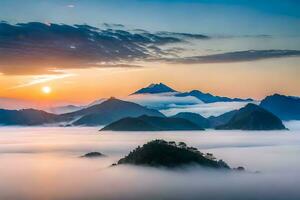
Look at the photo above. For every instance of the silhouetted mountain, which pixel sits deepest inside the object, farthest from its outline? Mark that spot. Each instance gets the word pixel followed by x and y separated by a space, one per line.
pixel 147 123
pixel 159 153
pixel 215 121
pixel 253 117
pixel 195 118
pixel 285 107
pixel 155 89
pixel 100 114
pixel 26 117
pixel 204 97
pixel 209 98
pixel 109 111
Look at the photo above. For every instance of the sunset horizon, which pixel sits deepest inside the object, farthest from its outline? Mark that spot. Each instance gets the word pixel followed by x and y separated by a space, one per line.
pixel 116 56
pixel 149 99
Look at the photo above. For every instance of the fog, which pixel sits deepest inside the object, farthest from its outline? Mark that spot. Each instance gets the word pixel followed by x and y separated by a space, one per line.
pixel 44 163
pixel 206 109
pixel 163 101
pixel 170 105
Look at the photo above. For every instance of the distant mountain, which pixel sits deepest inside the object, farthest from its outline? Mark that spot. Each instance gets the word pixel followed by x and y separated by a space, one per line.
pixel 204 97
pixel 195 118
pixel 215 121
pixel 253 117
pixel 158 153
pixel 26 117
pixel 155 89
pixel 72 108
pixel 147 123
pixel 109 111
pixel 99 114
pixel 64 109
pixel 209 98
pixel 285 107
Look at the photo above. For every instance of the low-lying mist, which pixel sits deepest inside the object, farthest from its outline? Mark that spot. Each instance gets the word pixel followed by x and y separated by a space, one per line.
pixel 171 105
pixel 44 163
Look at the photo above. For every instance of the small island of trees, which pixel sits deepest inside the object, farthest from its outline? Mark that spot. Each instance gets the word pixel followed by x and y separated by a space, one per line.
pixel 160 153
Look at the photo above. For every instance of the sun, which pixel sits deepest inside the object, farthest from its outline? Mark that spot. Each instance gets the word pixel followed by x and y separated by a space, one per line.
pixel 46 90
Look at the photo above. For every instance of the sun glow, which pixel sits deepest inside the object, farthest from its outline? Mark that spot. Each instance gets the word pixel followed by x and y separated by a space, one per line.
pixel 46 89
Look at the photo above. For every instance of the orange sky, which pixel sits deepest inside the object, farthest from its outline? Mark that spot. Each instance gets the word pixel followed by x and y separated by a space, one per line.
pixel 246 79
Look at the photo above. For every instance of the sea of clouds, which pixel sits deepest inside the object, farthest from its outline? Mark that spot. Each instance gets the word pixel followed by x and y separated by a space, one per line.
pixel 170 105
pixel 44 163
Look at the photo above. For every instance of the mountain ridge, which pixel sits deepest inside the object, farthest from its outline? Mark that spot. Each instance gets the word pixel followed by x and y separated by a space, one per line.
pixel 154 89
pixel 209 98
pixel 150 123
pixel 26 117
pixel 253 117
pixel 161 88
pixel 108 111
pixel 285 107
pixel 194 117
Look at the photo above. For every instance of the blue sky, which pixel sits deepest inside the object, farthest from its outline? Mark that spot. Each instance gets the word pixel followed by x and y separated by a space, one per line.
pixel 239 17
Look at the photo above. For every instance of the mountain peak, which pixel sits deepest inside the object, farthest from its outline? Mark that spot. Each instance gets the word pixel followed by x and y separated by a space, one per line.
pixel 253 117
pixel 112 98
pixel 155 88
pixel 110 110
pixel 276 95
pixel 285 107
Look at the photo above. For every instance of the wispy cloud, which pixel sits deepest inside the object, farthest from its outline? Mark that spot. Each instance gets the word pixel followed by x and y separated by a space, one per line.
pixel 117 65
pixel 70 6
pixel 37 48
pixel 237 56
pixel 38 79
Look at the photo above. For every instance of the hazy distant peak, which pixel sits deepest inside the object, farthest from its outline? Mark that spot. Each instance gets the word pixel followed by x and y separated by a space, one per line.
pixel 209 98
pixel 155 88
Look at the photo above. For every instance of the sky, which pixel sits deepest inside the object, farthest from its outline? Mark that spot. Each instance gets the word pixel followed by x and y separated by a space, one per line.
pixel 86 50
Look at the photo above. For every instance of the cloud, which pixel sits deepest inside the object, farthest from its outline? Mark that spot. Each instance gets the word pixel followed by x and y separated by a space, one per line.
pixel 163 101
pixel 109 25
pixel 36 48
pixel 56 150
pixel 292 125
pixel 207 109
pixel 118 65
pixel 237 56
pixel 170 104
pixel 44 78
pixel 183 35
